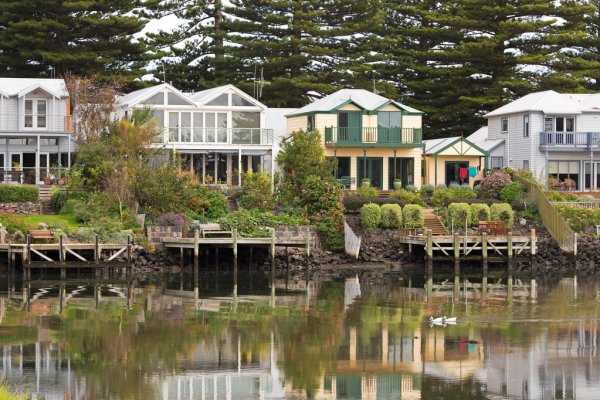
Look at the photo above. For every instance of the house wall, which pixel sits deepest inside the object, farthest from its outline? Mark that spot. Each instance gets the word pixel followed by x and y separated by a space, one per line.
pixel 412 121
pixel 295 124
pixel 12 113
pixel 357 153
pixel 440 161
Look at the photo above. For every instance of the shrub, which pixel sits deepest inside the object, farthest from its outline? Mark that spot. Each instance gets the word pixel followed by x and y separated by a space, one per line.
pixel 69 207
pixel 370 216
pixel 391 216
pixel 354 203
pixel 19 193
pixel 332 237
pixel 579 218
pixel 214 203
pixel 412 215
pixel 427 189
pixel 58 200
pixel 171 219
pixel 459 215
pixel 256 191
pixel 441 196
pixel 251 223
pixel 489 202
pixel 502 212
pixel 492 185
pixel 13 223
pixel 479 212
pixel 367 191
pixel 406 196
pixel 463 191
pixel 411 188
pixel 555 196
pixel 511 192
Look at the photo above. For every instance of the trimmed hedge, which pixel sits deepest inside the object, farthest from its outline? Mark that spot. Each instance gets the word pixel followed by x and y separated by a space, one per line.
pixel 479 212
pixel 19 193
pixel 511 192
pixel 412 215
pixel 503 212
pixel 459 215
pixel 407 197
pixel 391 216
pixel 489 202
pixel 370 216
pixel 354 203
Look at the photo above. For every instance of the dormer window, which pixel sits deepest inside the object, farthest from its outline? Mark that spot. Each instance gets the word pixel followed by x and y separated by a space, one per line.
pixel 36 114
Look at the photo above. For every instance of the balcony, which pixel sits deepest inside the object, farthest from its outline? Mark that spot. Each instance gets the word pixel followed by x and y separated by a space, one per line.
pixel 376 136
pixel 569 140
pixel 216 136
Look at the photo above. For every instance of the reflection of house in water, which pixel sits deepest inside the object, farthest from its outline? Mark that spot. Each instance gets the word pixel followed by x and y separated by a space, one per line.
pixel 351 291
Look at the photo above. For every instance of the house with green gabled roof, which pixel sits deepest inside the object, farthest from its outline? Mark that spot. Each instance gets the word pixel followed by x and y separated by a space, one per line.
pixel 372 138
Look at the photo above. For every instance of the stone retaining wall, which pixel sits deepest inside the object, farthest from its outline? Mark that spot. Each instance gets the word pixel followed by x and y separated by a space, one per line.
pixel 156 233
pixel 299 231
pixel 20 208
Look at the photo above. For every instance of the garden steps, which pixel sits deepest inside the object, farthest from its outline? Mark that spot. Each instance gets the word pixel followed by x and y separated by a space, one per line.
pixel 46 207
pixel 432 221
pixel 45 192
pixel 232 204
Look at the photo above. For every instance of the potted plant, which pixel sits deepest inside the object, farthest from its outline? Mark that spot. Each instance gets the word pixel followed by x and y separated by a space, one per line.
pixel 16 166
pixel 397 184
pixel 366 182
pixel 47 180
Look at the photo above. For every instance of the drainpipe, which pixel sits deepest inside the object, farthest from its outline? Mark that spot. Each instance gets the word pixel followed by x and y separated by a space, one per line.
pixel 435 163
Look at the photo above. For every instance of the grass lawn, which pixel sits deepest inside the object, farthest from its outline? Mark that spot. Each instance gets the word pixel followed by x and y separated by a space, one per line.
pixel 52 220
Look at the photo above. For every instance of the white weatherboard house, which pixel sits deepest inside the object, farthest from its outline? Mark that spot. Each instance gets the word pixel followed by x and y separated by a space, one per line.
pixel 217 132
pixel 555 135
pixel 35 130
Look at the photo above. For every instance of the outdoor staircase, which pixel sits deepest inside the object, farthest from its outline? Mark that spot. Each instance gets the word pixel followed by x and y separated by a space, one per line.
pixel 45 206
pixel 232 204
pixel 432 221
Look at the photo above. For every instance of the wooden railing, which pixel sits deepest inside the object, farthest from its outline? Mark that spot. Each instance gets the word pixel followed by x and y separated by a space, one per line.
pixel 373 136
pixel 592 205
pixel 553 221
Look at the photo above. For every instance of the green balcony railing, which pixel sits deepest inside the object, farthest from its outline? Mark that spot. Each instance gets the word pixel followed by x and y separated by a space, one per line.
pixel 376 136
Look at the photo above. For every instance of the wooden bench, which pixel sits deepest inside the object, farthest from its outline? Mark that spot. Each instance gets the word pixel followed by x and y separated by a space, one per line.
pixel 492 228
pixel 41 234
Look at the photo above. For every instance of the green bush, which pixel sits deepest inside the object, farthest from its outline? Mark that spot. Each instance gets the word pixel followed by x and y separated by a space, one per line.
pixel 459 215
pixel 69 207
pixel 502 212
pixel 13 223
pixel 492 185
pixel 442 195
pixel 511 192
pixel 367 191
pixel 406 196
pixel 412 216
pixel 256 191
pixel 331 236
pixel 354 203
pixel 252 223
pixel 391 216
pixel 19 193
pixel 58 200
pixel 411 188
pixel 370 216
pixel 578 218
pixel 479 212
pixel 427 189
pixel 555 196
pixel 204 203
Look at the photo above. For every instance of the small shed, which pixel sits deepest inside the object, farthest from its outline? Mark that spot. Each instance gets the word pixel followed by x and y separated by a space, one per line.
pixel 453 160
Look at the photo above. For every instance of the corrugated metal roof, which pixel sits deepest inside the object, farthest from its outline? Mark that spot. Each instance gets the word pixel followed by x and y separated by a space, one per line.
pixel 362 98
pixel 480 138
pixel 14 86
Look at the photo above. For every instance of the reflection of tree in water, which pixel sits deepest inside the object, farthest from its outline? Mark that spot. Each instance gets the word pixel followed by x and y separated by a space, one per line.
pixel 311 340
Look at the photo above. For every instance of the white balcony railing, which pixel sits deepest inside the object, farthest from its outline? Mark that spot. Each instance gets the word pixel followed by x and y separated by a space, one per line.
pixel 186 135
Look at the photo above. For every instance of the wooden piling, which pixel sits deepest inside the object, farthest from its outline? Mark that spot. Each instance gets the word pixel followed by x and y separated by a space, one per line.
pixel 308 241
pixel 429 245
pixel 287 266
pixel 272 252
pixel 97 254
pixel 456 254
pixel 509 244
pixel 196 265
pixel 235 264
pixel 62 257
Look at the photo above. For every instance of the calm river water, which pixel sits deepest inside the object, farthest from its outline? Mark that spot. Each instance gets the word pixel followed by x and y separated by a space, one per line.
pixel 351 338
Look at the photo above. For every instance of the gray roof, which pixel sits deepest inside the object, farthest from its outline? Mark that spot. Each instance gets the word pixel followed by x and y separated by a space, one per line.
pixel 202 95
pixel 551 102
pixel 362 98
pixel 480 138
pixel 14 86
pixel 433 145
pixel 138 95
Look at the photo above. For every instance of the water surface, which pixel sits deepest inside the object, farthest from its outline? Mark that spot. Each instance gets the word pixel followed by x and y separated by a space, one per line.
pixel 353 338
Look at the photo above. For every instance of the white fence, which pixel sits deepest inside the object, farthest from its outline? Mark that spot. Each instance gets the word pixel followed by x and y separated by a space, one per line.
pixel 592 205
pixel 351 241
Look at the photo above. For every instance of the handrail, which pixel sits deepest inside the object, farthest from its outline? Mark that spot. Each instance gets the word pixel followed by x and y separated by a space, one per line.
pixel 570 139
pixel 552 220
pixel 182 135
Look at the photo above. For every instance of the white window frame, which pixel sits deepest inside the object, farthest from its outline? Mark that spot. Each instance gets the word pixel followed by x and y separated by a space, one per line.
pixel 496 158
pixel 34 114
pixel 526 126
pixel 502 121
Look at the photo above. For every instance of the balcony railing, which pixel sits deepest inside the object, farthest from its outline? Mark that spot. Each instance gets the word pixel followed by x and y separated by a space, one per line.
pixel 570 139
pixel 185 135
pixel 376 136
pixel 33 175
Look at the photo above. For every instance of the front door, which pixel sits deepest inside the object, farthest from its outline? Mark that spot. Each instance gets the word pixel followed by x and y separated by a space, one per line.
pixel 44 166
pixel 374 171
pixel 457 172
pixel 29 166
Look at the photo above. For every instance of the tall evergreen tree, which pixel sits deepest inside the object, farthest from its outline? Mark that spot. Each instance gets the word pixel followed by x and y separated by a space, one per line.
pixel 92 37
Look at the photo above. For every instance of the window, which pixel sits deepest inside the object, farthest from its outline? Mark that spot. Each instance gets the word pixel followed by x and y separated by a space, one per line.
pixel 497 162
pixel 157 99
pixel 526 126
pixel 526 165
pixel 342 171
pixel 246 127
pixel 310 123
pixel 401 168
pixel 222 100
pixel 562 170
pixel 343 120
pixel 175 100
pixel 504 125
pixel 48 142
pixel 548 124
pixel 239 101
pixel 35 113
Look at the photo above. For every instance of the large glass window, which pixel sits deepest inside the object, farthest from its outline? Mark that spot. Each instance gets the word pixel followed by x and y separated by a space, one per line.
pixel 239 101
pixel 157 99
pixel 159 116
pixel 35 113
pixel 567 173
pixel 222 100
pixel 401 168
pixel 457 172
pixel 186 126
pixel 175 100
pixel 246 127
pixel 372 169
pixel 198 132
pixel 216 127
pixel 341 170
